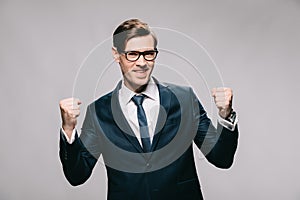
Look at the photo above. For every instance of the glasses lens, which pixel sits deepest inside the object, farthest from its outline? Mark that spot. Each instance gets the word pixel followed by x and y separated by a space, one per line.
pixel 149 55
pixel 132 55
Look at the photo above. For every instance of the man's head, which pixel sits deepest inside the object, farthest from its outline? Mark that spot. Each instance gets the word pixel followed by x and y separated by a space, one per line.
pixel 129 29
pixel 134 48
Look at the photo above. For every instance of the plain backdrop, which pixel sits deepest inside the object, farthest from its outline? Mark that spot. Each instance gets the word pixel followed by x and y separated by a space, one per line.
pixel 255 45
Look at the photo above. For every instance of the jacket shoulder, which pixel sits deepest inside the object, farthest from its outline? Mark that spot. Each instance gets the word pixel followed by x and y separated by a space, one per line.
pixel 178 89
pixel 105 99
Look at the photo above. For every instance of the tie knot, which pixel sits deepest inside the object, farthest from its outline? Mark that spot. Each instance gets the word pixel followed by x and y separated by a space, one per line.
pixel 138 99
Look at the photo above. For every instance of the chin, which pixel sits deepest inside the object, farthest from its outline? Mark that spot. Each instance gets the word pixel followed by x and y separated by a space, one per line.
pixel 140 82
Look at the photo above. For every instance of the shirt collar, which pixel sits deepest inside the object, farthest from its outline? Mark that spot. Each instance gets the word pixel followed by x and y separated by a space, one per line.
pixel 126 94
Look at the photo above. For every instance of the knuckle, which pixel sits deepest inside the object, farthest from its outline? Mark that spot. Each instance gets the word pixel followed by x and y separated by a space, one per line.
pixel 70 112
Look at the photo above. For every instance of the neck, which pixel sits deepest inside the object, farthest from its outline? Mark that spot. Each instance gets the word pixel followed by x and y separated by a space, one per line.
pixel 141 88
pixel 136 88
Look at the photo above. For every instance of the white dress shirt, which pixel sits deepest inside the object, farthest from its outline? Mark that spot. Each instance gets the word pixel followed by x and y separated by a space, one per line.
pixel 151 106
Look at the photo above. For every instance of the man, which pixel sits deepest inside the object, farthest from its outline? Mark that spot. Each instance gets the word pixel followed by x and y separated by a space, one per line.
pixel 145 129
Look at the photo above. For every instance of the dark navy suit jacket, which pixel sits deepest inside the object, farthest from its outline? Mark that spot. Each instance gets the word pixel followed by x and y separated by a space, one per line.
pixel 168 171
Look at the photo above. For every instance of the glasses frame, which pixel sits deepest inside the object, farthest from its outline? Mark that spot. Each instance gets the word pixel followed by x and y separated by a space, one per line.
pixel 140 53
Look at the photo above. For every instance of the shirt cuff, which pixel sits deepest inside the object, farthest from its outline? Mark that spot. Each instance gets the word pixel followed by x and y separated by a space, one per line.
pixel 227 124
pixel 69 140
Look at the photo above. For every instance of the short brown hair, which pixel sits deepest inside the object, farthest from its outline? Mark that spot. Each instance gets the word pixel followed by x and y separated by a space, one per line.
pixel 129 29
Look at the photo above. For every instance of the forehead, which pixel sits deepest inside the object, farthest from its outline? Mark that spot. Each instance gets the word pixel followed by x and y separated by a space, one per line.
pixel 140 43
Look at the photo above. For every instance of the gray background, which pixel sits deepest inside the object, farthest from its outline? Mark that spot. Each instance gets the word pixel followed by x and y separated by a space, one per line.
pixel 255 44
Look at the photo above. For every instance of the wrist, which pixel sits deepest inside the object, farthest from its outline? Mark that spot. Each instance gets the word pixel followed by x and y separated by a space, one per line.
pixel 68 128
pixel 231 117
pixel 225 113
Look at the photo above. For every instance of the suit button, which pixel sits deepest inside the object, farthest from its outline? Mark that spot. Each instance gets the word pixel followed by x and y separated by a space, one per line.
pixel 148 165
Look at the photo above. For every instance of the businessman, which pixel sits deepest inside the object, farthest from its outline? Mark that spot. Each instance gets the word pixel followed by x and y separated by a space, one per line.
pixel 145 129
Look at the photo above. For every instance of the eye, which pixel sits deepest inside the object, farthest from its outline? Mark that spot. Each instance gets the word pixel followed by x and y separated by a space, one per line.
pixel 150 53
pixel 132 54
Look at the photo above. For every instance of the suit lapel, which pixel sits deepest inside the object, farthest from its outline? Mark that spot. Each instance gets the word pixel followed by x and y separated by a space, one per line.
pixel 165 101
pixel 121 120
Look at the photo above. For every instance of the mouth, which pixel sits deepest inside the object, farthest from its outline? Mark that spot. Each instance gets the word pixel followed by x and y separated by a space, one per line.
pixel 141 71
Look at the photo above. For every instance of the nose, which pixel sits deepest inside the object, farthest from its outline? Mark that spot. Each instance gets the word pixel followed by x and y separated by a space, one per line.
pixel 141 61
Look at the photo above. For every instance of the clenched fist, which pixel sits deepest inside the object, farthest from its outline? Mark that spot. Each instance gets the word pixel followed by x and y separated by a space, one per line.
pixel 70 110
pixel 223 99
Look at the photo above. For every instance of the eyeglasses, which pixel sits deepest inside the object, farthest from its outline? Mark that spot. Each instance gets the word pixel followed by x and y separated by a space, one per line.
pixel 135 55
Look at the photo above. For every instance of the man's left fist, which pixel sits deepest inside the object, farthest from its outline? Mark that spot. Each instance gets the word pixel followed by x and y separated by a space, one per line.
pixel 223 99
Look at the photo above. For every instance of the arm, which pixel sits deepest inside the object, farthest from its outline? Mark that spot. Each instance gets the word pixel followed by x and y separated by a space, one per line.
pixel 218 145
pixel 79 157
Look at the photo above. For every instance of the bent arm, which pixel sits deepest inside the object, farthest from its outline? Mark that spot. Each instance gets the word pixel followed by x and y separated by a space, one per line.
pixel 222 154
pixel 218 145
pixel 79 157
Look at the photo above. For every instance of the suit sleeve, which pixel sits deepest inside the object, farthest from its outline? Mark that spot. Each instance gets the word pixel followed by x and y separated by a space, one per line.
pixel 79 158
pixel 217 144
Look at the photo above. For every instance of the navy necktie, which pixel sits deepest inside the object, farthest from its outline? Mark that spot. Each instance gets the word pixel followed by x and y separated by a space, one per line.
pixel 138 100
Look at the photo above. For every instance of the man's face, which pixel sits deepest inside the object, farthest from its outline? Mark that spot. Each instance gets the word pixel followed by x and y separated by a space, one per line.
pixel 136 73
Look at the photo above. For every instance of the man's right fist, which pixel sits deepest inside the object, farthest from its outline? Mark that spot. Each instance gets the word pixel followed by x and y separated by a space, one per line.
pixel 70 110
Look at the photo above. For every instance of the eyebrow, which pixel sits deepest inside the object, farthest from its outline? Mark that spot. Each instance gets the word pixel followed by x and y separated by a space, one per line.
pixel 140 51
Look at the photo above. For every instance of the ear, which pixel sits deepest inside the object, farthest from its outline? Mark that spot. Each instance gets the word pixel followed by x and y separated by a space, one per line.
pixel 116 54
